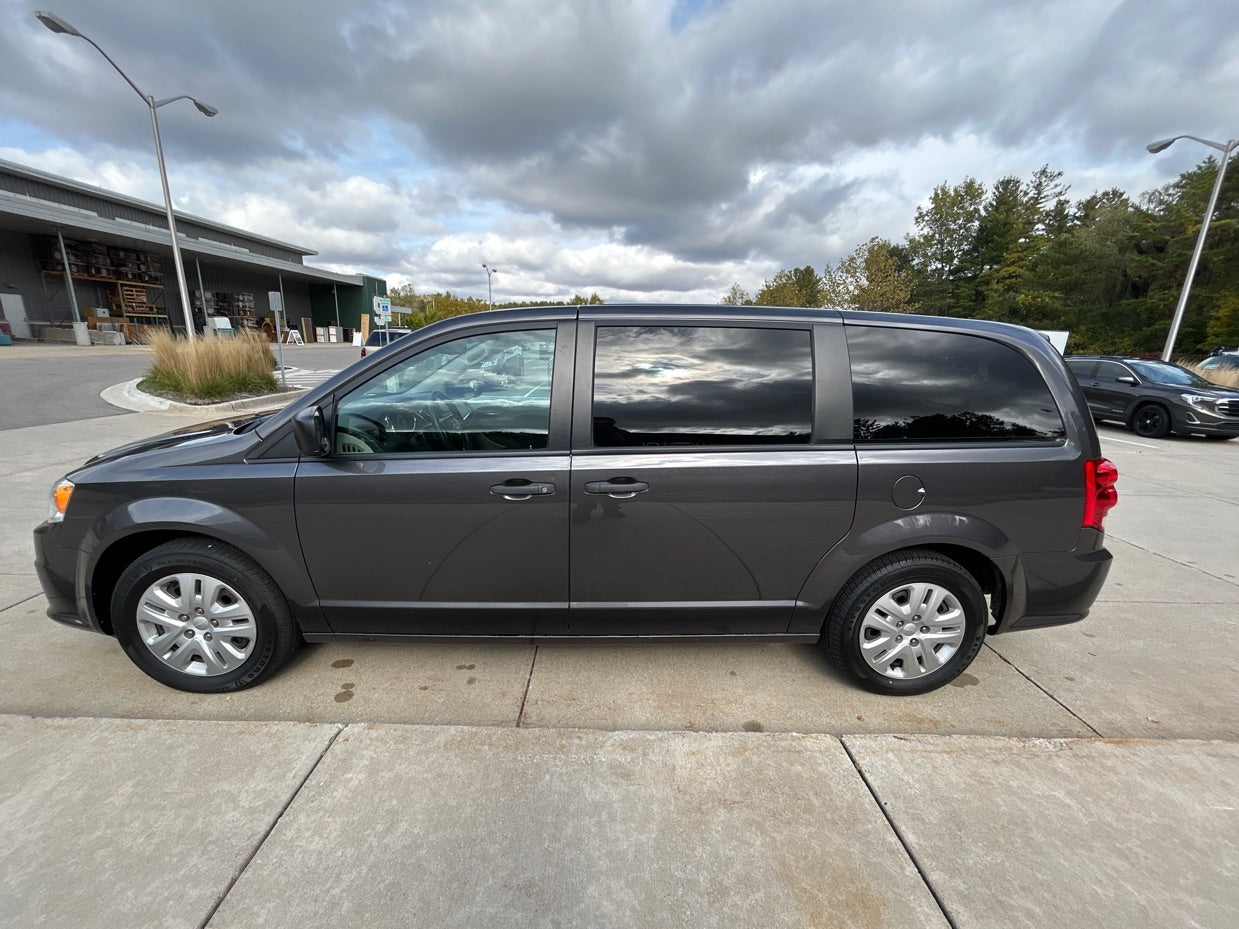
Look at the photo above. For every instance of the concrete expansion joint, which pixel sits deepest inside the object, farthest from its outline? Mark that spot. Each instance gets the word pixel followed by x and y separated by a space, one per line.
pixel 898 833
pixel 275 821
pixel 1020 671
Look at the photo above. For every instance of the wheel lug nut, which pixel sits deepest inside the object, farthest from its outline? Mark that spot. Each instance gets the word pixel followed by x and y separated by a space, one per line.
pixel 924 628
pixel 183 617
pixel 916 642
pixel 199 611
pixel 898 638
pixel 189 633
pixel 215 622
pixel 207 636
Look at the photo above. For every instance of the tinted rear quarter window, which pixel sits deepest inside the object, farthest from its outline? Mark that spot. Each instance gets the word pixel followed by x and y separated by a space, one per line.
pixel 913 385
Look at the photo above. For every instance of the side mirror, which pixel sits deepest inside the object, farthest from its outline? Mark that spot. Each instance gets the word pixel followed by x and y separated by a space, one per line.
pixel 311 432
pixel 1128 380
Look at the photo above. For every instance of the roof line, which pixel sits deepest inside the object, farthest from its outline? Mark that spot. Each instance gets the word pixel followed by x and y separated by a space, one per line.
pixel 158 209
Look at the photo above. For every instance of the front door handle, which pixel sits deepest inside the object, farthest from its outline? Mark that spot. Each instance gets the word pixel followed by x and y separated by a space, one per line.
pixel 621 488
pixel 521 489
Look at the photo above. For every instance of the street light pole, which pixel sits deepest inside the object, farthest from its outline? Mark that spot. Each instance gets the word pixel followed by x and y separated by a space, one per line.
pixel 490 272
pixel 61 27
pixel 1160 146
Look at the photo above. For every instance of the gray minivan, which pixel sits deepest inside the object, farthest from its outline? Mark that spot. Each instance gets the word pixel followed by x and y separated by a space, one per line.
pixel 895 487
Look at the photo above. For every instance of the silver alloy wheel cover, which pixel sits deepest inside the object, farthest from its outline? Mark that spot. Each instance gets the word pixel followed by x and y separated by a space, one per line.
pixel 912 630
pixel 196 624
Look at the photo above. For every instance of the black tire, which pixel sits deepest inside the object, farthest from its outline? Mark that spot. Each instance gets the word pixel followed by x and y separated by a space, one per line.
pixel 164 625
pixel 1152 421
pixel 859 639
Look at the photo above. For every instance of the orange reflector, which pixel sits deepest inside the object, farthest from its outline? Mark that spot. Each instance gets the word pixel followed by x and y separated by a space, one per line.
pixel 61 495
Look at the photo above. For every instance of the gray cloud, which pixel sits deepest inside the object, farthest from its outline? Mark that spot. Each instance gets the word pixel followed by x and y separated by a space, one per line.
pixel 716 135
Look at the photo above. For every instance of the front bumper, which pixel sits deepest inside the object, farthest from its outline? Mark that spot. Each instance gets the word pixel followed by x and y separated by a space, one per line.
pixel 55 567
pixel 1188 420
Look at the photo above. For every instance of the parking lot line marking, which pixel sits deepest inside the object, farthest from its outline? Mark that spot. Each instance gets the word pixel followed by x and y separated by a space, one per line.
pixel 1128 442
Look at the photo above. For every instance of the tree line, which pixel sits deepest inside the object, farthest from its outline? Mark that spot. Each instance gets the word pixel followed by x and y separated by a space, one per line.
pixel 1107 268
pixel 415 310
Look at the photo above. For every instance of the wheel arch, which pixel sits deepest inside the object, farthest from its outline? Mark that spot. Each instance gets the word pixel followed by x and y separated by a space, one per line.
pixel 980 549
pixel 129 532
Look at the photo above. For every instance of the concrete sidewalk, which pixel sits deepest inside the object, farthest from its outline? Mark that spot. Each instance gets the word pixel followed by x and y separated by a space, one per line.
pixel 1079 776
pixel 188 823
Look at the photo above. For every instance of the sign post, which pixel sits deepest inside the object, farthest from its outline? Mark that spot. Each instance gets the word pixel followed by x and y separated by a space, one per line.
pixel 276 300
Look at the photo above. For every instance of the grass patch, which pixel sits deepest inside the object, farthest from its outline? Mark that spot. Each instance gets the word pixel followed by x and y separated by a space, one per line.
pixel 209 370
pixel 1221 378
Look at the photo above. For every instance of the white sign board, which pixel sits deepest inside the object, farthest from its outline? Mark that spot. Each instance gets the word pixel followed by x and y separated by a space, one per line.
pixel 1056 338
pixel 382 310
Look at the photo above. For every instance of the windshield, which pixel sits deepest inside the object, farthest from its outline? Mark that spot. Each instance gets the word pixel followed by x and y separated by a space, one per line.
pixel 1159 372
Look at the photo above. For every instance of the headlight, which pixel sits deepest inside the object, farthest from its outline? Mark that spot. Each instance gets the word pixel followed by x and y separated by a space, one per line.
pixel 59 501
pixel 1201 402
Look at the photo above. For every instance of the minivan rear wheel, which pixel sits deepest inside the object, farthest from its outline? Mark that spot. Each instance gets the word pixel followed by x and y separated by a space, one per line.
pixel 907 623
pixel 200 616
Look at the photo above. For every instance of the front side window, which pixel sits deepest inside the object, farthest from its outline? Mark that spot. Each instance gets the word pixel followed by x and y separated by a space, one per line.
pixel 912 385
pixel 481 393
pixel 1168 375
pixel 701 385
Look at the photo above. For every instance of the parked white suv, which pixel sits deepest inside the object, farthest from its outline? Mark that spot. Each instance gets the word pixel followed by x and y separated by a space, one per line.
pixel 380 338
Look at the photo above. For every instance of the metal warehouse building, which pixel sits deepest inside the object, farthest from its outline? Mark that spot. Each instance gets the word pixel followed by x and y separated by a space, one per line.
pixel 121 277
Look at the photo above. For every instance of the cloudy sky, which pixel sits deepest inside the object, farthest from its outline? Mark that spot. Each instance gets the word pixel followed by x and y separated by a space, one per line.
pixel 645 150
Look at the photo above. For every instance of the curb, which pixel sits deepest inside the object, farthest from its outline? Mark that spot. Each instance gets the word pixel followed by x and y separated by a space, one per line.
pixel 127 396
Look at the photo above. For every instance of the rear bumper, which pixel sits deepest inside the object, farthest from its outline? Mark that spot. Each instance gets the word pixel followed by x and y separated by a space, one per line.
pixel 1053 588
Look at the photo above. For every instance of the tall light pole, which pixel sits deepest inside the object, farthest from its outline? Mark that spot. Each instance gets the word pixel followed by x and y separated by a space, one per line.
pixel 60 26
pixel 1160 146
pixel 490 273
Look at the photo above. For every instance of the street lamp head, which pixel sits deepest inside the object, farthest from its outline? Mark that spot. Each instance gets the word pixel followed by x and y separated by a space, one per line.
pixel 55 23
pixel 204 108
pixel 1160 145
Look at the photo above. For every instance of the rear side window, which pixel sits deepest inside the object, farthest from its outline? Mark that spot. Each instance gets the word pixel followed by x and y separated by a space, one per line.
pixel 702 385
pixel 921 386
pixel 1082 367
pixel 1111 370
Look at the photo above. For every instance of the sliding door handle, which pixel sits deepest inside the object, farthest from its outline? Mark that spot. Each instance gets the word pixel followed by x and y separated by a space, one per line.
pixel 622 488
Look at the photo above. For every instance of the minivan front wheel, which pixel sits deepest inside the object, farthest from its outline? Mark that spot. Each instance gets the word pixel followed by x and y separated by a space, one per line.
pixel 1151 421
pixel 200 616
pixel 907 623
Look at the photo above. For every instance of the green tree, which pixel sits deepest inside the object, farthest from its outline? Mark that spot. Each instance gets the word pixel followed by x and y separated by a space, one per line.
pixel 870 278
pixel 1178 210
pixel 940 251
pixel 737 296
pixel 797 287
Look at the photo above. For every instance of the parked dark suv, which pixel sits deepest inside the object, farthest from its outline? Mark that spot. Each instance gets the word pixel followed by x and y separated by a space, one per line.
pixel 1155 398
pixel 554 475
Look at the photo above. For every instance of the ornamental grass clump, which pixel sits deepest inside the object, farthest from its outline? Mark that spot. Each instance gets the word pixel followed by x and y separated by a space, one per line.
pixel 1221 378
pixel 209 369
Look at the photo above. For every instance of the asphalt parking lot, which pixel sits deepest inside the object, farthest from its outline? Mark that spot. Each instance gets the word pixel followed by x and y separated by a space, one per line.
pixel 1083 775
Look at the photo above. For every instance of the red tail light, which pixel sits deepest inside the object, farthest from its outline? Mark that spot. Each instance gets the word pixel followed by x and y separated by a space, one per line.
pixel 1100 494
